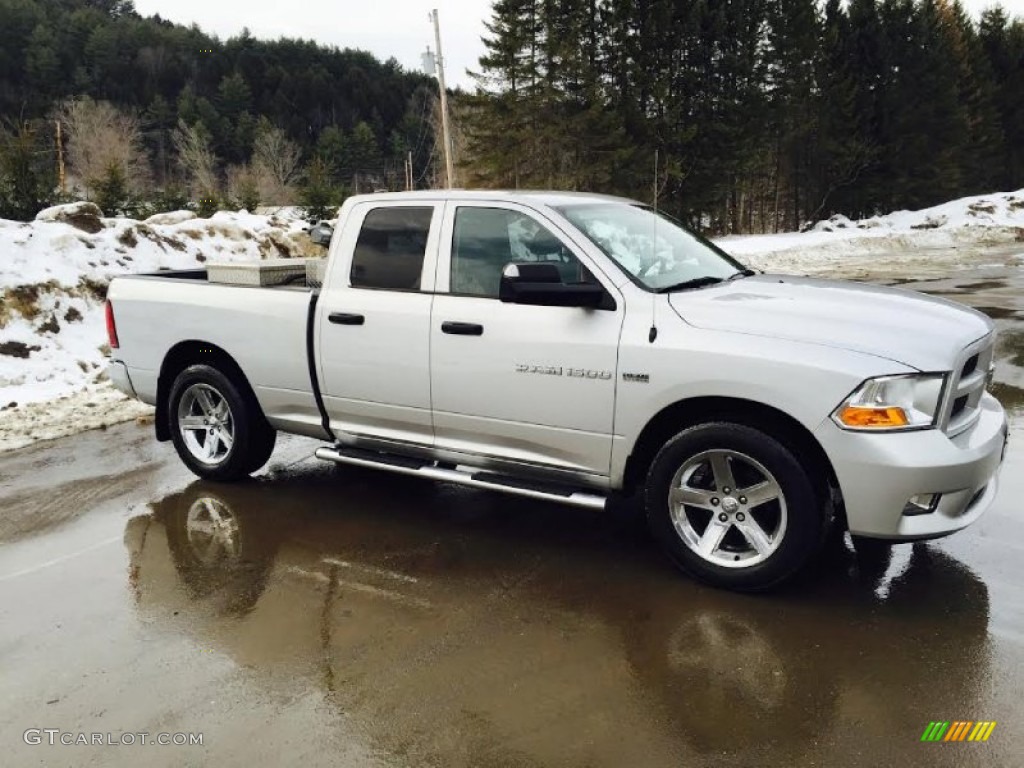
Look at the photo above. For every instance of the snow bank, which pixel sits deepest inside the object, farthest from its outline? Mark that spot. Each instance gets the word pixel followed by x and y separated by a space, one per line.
pixel 69 211
pixel 174 217
pixel 53 277
pixel 843 247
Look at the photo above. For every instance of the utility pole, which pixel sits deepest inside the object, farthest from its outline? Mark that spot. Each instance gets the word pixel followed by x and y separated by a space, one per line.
pixel 60 162
pixel 408 172
pixel 445 127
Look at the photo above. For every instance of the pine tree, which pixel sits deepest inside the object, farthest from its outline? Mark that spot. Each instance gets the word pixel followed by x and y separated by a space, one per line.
pixel 583 144
pixel 42 63
pixel 364 163
pixel 332 148
pixel 866 46
pixel 1002 42
pixel 500 115
pixel 843 150
pixel 318 198
pixel 26 179
pixel 931 127
pixel 111 190
pixel 793 46
pixel 980 161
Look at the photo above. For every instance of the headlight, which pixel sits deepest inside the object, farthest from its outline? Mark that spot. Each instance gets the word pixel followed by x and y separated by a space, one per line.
pixel 893 402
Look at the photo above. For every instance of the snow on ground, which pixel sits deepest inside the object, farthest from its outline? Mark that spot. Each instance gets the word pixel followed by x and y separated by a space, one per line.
pixel 54 272
pixel 53 277
pixel 91 408
pixel 929 242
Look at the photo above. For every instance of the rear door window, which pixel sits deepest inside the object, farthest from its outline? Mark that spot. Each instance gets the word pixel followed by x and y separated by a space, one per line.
pixel 391 248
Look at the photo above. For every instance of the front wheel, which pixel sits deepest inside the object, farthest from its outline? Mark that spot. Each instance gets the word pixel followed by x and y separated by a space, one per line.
pixel 733 507
pixel 217 427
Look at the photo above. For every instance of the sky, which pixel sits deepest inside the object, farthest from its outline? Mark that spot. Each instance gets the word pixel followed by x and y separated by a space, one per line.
pixel 386 28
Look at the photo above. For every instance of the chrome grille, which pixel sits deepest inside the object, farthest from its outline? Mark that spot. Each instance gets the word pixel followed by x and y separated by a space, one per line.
pixel 967 385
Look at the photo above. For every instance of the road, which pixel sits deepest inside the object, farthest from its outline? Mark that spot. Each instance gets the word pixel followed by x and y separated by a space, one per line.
pixel 329 616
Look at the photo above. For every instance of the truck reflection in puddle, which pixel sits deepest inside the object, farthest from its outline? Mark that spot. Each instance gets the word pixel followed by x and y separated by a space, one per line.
pixel 467 628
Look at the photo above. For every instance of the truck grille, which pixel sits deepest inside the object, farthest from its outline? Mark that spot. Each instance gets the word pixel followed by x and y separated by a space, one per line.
pixel 967 385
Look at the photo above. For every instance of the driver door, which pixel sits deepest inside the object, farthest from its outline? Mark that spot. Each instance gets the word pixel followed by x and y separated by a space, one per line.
pixel 532 384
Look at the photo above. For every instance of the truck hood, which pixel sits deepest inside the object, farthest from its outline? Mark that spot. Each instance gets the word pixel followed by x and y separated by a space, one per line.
pixel 905 326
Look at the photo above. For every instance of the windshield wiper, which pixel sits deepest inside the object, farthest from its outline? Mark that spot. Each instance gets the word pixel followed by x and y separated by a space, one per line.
pixel 742 273
pixel 697 282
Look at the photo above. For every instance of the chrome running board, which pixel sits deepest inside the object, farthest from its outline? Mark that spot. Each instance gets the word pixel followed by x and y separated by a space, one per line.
pixel 463 475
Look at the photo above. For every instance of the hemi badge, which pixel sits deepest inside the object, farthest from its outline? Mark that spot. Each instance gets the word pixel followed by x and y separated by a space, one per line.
pixel 637 378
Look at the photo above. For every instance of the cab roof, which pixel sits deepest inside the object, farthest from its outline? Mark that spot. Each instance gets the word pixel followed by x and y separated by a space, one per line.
pixel 544 197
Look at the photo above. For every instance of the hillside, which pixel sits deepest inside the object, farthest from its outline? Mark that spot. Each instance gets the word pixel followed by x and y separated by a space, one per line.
pixel 371 111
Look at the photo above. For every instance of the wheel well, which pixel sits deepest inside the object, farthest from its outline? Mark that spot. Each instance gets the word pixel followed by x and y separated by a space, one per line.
pixel 780 425
pixel 180 357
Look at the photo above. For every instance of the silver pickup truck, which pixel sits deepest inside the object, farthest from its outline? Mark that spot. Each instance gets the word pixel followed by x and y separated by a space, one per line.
pixel 569 347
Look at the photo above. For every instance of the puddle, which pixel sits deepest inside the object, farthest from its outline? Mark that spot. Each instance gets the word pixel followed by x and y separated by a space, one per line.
pixel 508 625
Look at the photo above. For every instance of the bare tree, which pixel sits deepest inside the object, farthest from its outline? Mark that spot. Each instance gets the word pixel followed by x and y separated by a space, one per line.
pixel 104 140
pixel 275 161
pixel 196 158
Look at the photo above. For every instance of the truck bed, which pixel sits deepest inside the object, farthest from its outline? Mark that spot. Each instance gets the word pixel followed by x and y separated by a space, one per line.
pixel 263 329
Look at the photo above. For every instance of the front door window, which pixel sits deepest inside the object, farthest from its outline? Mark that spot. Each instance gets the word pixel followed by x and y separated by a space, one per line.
pixel 486 239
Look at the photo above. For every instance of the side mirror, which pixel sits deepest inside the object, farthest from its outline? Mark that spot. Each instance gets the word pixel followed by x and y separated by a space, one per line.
pixel 540 284
pixel 321 234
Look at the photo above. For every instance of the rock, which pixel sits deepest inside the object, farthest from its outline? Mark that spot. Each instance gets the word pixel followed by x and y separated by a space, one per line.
pixel 84 216
pixel 931 222
pixel 127 238
pixel 17 349
pixel 50 326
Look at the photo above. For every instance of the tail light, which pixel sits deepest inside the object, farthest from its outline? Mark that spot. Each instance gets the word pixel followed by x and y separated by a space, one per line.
pixel 111 327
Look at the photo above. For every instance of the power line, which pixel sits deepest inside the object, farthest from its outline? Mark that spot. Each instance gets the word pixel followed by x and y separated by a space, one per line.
pixel 423 126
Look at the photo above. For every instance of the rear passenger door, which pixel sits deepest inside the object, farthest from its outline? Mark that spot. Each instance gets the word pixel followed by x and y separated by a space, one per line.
pixel 373 325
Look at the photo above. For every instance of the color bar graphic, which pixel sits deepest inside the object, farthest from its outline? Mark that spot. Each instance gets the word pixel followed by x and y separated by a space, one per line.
pixel 958 730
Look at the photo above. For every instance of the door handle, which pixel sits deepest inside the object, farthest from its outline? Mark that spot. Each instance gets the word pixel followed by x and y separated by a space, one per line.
pixel 462 329
pixel 344 318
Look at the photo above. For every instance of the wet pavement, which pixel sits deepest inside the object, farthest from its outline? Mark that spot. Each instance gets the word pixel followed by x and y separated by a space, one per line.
pixel 333 616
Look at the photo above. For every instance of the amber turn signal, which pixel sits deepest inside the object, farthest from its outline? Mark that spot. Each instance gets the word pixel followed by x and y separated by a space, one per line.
pixel 878 418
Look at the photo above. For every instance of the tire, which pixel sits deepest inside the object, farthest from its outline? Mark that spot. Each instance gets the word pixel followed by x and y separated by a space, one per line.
pixel 221 548
pixel 747 539
pixel 737 662
pixel 217 426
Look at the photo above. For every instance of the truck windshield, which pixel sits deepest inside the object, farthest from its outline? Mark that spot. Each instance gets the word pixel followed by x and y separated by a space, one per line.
pixel 652 248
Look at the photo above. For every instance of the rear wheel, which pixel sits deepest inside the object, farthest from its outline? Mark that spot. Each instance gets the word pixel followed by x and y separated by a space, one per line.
pixel 217 427
pixel 733 506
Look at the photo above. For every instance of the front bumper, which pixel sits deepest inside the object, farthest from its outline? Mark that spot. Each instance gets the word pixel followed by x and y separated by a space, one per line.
pixel 118 374
pixel 879 473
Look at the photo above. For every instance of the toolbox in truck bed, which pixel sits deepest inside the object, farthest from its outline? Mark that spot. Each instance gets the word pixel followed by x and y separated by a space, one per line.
pixel 257 273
